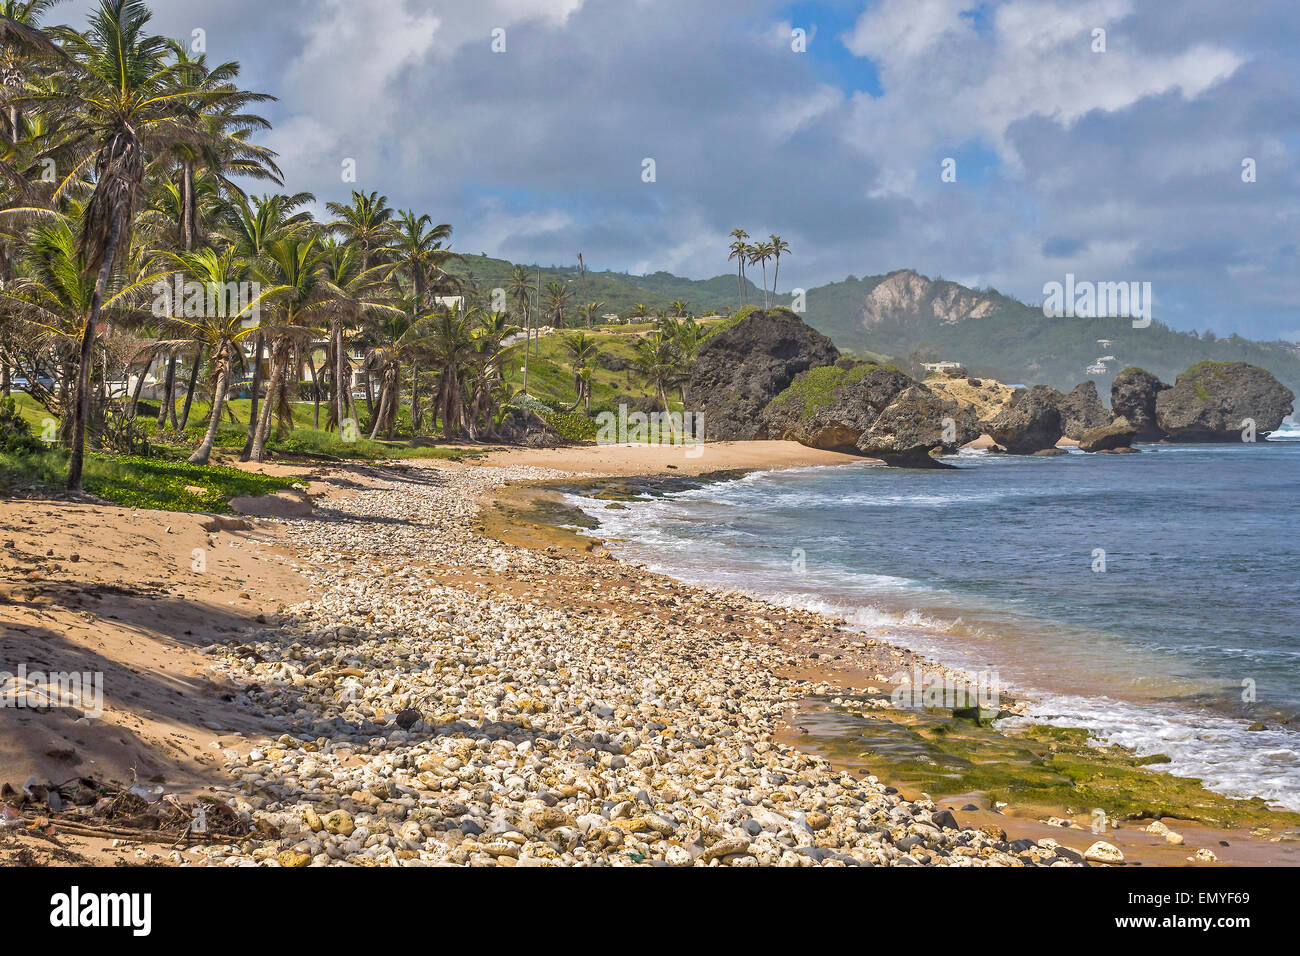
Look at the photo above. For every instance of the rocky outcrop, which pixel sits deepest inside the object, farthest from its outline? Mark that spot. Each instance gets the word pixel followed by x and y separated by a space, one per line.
pixel 1031 422
pixel 986 397
pixel 830 407
pixel 738 372
pixel 1081 410
pixel 1216 401
pixel 1133 394
pixel 916 423
pixel 1118 434
pixel 902 295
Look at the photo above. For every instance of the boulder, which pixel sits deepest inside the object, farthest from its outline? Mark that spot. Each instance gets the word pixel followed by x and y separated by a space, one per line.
pixel 831 406
pixel 1031 421
pixel 1133 394
pixel 1081 410
pixel 913 425
pixel 1215 401
pixel 739 371
pixel 1118 434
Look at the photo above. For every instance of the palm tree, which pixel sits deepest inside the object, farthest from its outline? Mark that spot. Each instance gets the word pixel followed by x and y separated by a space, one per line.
pixel 679 308
pixel 356 294
pixel 250 226
pixel 55 291
pixel 779 246
pixel 760 252
pixel 120 106
pixel 591 310
pixel 639 311
pixel 520 288
pixel 740 252
pixel 20 22
pixel 368 221
pixel 299 301
pixel 557 297
pixel 451 349
pixel 219 330
pixel 581 347
pixel 658 359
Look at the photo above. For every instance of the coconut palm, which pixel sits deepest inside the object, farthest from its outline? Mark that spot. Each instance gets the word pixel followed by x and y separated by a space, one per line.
pixel 357 294
pixel 658 359
pixel 220 330
pixel 590 311
pixel 21 36
pixel 580 347
pixel 297 300
pixel 760 252
pixel 368 221
pixel 779 246
pixel 451 349
pixel 557 297
pixel 740 252
pixel 120 106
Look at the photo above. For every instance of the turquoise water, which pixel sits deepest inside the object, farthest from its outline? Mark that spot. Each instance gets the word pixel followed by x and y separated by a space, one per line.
pixel 1152 598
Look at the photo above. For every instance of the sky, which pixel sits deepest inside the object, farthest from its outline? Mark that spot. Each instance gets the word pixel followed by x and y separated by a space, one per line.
pixel 1114 156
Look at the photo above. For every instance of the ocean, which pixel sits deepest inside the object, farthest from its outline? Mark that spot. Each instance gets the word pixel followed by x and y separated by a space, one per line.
pixel 1152 599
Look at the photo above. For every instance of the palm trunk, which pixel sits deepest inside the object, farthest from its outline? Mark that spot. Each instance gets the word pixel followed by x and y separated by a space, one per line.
pixel 315 390
pixel 415 398
pixel 189 389
pixel 258 451
pixel 169 393
pixel 81 410
pixel 135 392
pixel 377 419
pixel 204 451
pixel 247 453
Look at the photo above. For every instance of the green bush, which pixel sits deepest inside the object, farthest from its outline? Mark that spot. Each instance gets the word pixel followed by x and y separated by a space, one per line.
pixel 15 434
pixel 572 426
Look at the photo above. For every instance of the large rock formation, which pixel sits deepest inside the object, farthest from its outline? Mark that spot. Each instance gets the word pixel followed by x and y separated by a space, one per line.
pixel 916 423
pixel 1215 401
pixel 830 407
pixel 1031 422
pixel 1118 434
pixel 1133 394
pixel 1081 410
pixel 739 371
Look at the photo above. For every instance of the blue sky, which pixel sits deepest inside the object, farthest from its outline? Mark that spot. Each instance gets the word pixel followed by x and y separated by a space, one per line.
pixel 1115 165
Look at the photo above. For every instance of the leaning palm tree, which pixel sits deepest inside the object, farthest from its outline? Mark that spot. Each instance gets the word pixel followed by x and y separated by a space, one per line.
pixel 221 328
pixel 298 301
pixel 357 294
pixel 679 308
pixel 119 107
pixel 779 246
pixel 55 291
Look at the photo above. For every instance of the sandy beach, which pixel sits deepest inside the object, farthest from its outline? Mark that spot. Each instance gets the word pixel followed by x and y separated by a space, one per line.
pixel 421 673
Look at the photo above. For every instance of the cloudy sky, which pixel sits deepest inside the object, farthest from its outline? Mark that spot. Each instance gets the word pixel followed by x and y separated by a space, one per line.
pixel 1125 164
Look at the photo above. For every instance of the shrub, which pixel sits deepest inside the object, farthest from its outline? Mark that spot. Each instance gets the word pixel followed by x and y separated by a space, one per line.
pixel 16 436
pixel 572 426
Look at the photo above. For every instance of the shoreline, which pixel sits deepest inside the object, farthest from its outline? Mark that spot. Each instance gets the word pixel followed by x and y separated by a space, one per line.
pixel 276 651
pixel 545 502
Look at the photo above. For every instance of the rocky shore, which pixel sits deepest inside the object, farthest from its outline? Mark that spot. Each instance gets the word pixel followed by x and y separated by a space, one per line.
pixel 448 699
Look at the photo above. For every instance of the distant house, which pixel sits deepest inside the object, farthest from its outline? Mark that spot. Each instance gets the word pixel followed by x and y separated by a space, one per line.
pixel 937 368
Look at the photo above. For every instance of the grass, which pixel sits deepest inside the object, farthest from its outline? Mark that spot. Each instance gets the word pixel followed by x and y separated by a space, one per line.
pixel 162 484
pixel 817 388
